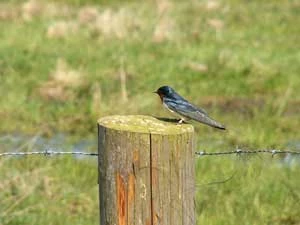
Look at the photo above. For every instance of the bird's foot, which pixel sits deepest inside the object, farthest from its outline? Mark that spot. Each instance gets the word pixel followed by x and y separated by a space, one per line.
pixel 181 121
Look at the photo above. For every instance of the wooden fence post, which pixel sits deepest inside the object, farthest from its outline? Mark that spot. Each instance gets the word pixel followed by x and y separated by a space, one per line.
pixel 146 171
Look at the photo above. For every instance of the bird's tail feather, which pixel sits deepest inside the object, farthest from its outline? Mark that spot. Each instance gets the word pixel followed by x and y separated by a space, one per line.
pixel 213 123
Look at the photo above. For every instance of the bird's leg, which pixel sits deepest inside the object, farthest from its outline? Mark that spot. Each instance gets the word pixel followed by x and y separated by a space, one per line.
pixel 181 121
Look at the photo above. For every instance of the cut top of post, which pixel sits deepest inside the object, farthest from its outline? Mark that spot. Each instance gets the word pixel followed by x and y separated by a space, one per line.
pixel 145 124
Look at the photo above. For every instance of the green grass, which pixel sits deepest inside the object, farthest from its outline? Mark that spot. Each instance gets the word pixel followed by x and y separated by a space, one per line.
pixel 261 191
pixel 248 80
pixel 35 191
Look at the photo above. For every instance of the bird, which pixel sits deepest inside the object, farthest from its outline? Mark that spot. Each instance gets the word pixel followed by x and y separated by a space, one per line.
pixel 186 110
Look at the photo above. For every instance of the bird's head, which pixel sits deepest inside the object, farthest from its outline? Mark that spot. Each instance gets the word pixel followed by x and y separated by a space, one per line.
pixel 164 91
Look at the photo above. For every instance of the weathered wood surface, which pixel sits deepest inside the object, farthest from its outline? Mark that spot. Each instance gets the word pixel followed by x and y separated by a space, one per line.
pixel 146 172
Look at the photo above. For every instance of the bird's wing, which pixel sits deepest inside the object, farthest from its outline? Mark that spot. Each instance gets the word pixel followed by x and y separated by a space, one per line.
pixel 188 110
pixel 183 106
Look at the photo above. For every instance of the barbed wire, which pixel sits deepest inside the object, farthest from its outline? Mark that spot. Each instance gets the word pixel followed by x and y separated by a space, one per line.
pixel 240 151
pixel 47 153
pixel 200 153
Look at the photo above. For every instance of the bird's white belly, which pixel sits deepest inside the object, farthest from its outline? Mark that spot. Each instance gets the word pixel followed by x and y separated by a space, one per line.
pixel 165 105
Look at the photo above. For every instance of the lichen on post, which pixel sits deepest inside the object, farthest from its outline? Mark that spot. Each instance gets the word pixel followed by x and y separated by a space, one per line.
pixel 146 171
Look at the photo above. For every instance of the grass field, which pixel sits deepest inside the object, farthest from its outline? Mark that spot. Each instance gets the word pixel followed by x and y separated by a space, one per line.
pixel 64 64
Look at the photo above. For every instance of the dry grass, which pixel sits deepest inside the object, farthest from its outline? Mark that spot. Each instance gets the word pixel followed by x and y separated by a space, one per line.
pixel 164 30
pixel 216 23
pixel 197 67
pixel 163 7
pixel 31 9
pixel 8 12
pixel 123 76
pixel 212 5
pixel 124 22
pixel 66 76
pixel 88 15
pixel 62 29
pixel 96 98
pixel 128 23
pixel 62 83
pixel 119 24
pixel 165 27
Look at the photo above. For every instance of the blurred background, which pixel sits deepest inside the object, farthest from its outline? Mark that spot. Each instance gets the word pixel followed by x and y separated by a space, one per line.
pixel 66 63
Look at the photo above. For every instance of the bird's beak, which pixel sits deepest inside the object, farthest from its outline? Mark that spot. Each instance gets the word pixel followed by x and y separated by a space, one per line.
pixel 154 92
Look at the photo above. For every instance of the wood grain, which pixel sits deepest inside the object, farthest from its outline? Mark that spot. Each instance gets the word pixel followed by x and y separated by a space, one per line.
pixel 146 172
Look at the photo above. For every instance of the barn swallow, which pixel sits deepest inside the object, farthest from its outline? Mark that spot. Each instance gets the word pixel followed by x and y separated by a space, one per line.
pixel 177 104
